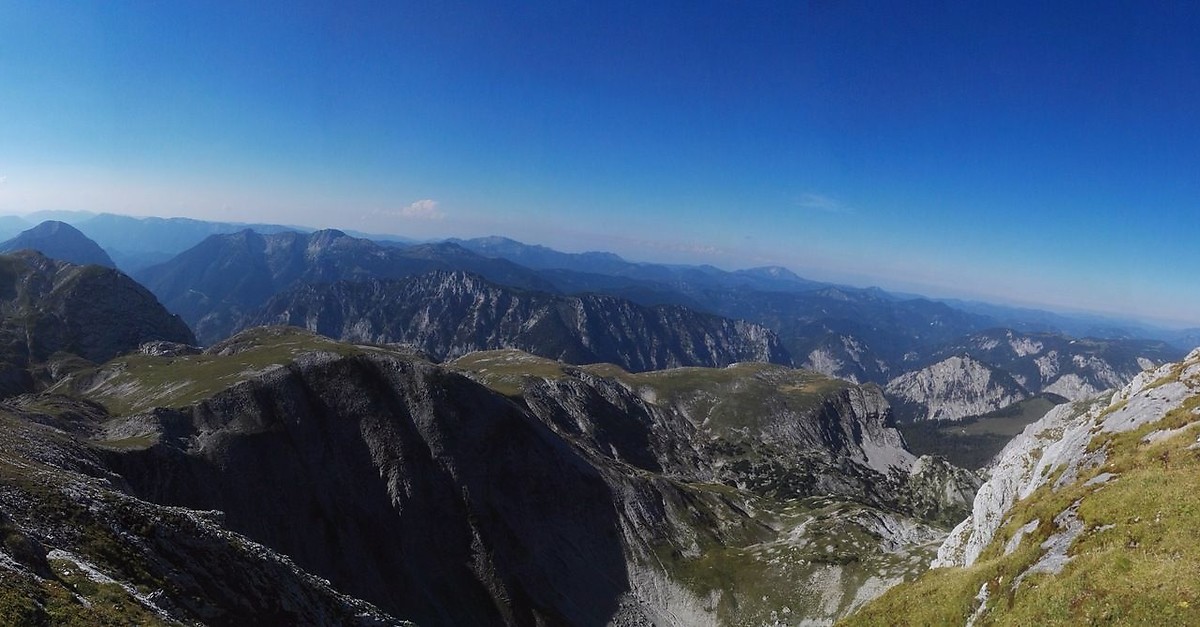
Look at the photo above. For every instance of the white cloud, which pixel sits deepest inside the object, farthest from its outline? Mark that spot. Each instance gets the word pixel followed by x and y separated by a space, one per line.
pixel 424 209
pixel 820 202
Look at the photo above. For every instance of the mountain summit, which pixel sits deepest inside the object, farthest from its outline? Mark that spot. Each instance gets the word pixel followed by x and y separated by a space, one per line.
pixel 60 240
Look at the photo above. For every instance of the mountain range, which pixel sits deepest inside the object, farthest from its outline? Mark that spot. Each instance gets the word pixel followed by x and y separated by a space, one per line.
pixel 912 346
pixel 213 284
pixel 452 438
pixel 450 314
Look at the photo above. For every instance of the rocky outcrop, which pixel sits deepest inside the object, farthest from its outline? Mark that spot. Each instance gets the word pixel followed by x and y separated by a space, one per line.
pixel 1059 447
pixel 953 388
pixel 62 241
pixel 843 356
pixel 989 370
pixel 1088 513
pixel 450 314
pixel 1074 368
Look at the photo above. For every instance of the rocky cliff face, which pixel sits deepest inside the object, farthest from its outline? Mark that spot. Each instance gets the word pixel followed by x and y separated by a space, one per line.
pixel 1086 515
pixel 449 314
pixel 953 388
pixel 1063 442
pixel 505 488
pixel 989 370
pixel 225 277
pixel 1072 368
pixel 55 312
pixel 78 549
pixel 62 241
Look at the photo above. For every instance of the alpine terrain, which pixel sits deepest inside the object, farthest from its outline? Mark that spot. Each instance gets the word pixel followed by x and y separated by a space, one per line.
pixel 500 488
pixel 451 314
pixel 1087 517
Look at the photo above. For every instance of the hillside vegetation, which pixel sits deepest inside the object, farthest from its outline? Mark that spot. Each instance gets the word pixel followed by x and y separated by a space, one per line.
pixel 1088 518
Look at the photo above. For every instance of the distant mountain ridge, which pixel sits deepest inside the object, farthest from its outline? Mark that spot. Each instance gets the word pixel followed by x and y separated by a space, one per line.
pixel 684 278
pixel 862 335
pixel 216 283
pixel 986 371
pixel 59 240
pixel 449 314
pixel 936 360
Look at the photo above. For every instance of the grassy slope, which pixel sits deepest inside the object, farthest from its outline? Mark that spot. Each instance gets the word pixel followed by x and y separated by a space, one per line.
pixel 133 383
pixel 1136 562
pixel 731 397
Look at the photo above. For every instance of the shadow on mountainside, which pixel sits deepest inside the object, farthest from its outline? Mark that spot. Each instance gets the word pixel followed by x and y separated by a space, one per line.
pixel 403 484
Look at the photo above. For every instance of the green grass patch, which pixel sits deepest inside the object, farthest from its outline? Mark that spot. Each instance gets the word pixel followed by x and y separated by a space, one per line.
pixel 739 399
pixel 135 383
pixel 136 442
pixel 507 371
pixel 1136 562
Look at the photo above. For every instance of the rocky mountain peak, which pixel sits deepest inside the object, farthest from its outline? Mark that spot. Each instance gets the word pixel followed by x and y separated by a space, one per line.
pixel 953 388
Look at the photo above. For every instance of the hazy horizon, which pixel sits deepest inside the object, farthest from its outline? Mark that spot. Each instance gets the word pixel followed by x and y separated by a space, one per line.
pixel 1026 154
pixel 923 291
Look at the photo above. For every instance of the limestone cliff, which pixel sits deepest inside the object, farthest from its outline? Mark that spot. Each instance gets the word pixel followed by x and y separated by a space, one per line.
pixel 450 314
pixel 953 388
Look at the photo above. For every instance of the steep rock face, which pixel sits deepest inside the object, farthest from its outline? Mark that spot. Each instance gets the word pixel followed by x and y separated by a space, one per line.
pixel 548 495
pixel 214 284
pixel 734 428
pixel 845 357
pixel 400 483
pixel 51 307
pixel 953 388
pixel 59 240
pixel 78 550
pixel 1072 368
pixel 449 314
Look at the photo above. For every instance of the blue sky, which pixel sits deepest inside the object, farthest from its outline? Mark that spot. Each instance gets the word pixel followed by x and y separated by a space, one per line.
pixel 1028 152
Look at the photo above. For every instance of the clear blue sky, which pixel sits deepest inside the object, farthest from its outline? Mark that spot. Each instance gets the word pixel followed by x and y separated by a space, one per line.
pixel 1034 152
